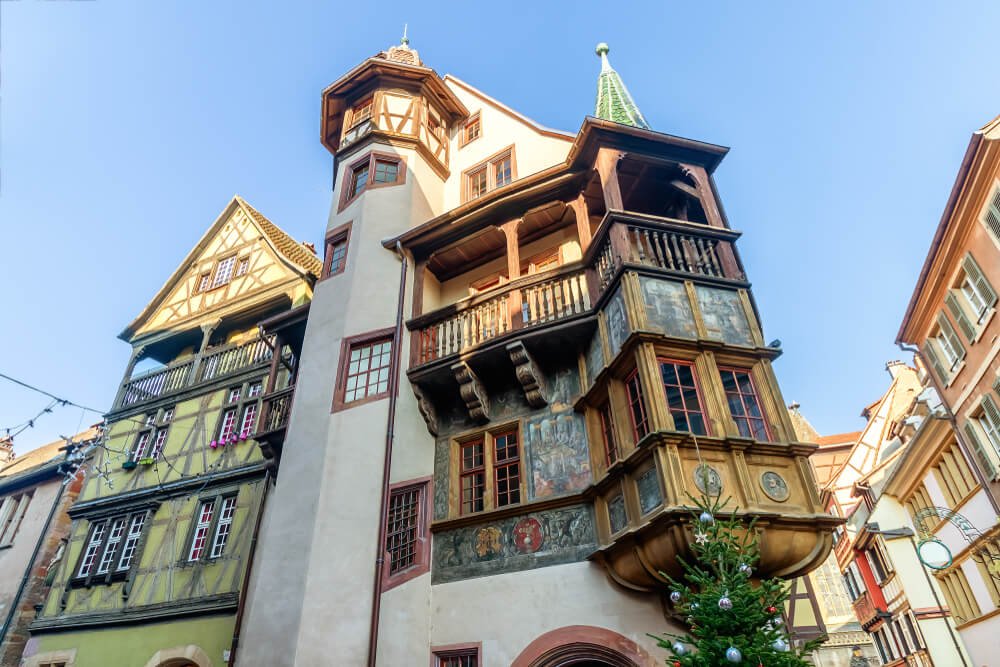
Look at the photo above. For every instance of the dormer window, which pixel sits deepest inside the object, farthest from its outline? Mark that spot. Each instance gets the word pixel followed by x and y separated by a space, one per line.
pixel 224 271
pixel 489 175
pixel 472 130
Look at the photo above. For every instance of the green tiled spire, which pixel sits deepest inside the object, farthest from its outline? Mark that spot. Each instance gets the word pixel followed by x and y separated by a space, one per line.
pixel 613 101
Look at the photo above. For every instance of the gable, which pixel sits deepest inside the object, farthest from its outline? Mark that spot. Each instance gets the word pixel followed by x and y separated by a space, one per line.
pixel 251 251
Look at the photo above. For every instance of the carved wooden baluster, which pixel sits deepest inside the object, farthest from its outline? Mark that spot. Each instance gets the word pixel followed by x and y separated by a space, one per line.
pixel 635 240
pixel 713 256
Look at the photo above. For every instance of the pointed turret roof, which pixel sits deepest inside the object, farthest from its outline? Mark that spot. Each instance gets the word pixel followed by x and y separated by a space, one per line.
pixel 613 100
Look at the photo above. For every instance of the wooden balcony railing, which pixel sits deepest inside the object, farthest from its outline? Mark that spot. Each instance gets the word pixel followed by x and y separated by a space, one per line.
pixel 276 409
pixel 623 238
pixel 866 610
pixel 215 363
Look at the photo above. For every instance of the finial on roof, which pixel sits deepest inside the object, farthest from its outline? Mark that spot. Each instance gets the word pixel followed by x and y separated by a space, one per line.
pixel 614 102
pixel 406 40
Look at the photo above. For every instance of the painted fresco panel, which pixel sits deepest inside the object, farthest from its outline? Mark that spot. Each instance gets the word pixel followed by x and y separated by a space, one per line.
pixel 668 309
pixel 617 321
pixel 552 537
pixel 650 494
pixel 723 314
pixel 560 459
pixel 595 357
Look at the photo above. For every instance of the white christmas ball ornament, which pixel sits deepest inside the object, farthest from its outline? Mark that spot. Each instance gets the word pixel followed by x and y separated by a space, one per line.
pixel 679 648
pixel 706 517
pixel 745 569
pixel 780 645
pixel 733 654
pixel 725 604
pixel 675 597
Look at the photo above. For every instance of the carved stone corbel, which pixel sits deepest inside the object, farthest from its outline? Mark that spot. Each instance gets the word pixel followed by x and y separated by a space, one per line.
pixel 427 410
pixel 528 375
pixel 477 401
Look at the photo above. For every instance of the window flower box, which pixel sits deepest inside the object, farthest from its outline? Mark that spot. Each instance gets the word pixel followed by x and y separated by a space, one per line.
pixel 128 465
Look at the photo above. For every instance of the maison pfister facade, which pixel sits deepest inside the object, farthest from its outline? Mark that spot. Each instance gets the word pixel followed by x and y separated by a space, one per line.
pixel 573 335
pixel 951 317
pixel 154 569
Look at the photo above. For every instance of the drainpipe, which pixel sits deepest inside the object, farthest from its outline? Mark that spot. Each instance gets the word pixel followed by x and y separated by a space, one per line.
pixel 387 464
pixel 983 482
pixel 246 576
pixel 31 564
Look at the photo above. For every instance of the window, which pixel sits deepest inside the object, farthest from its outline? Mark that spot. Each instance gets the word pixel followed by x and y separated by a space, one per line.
pixel 462 655
pixel 224 526
pixel 239 412
pixel 152 437
pixel 336 250
pixel 224 271
pixel 204 280
pixel 365 362
pixel 361 112
pixel 11 514
pixel 607 417
pixel 111 546
pixel 744 405
pixel 636 406
pixel 954 476
pixel 386 171
pixel 407 544
pixel 543 261
pixel 851 581
pixel 489 175
pixel 959 595
pixel 916 639
pixel 879 559
pixel 991 216
pixel 983 431
pixel 375 170
pixel 683 400
pixel 211 527
pixel 945 349
pixel 472 130
pixel 489 471
pixel 243 266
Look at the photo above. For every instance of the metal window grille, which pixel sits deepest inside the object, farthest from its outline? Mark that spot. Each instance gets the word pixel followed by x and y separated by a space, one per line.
pixel 403 526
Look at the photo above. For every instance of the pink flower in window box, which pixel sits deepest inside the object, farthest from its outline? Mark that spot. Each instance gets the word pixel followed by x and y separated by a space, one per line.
pixel 214 444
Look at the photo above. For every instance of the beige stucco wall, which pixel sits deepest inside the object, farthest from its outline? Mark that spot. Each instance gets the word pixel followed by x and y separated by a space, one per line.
pixel 14 560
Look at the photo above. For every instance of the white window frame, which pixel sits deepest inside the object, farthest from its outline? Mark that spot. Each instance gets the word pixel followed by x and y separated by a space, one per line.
pixel 201 531
pixel 224 527
pixel 131 544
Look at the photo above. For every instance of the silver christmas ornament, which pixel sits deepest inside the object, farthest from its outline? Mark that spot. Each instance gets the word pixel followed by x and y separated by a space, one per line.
pixel 694 605
pixel 706 517
pixel 745 569
pixel 679 648
pixel 780 645
pixel 733 654
pixel 725 604
pixel 675 597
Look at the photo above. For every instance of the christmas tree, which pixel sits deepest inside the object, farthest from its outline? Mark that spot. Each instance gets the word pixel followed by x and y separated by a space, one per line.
pixel 733 617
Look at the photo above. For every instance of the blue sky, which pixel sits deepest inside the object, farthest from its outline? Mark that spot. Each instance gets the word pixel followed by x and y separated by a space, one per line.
pixel 126 127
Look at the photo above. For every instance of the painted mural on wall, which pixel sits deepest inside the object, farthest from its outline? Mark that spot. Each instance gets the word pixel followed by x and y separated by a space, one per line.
pixel 668 309
pixel 723 314
pixel 617 321
pixel 552 537
pixel 554 439
pixel 595 357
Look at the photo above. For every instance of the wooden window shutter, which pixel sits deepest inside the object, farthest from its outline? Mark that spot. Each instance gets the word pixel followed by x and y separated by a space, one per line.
pixel 948 332
pixel 980 451
pixel 992 217
pixel 932 356
pixel 996 384
pixel 964 323
pixel 979 280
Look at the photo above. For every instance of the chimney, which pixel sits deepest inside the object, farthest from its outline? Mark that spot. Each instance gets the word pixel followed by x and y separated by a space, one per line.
pixel 895 367
pixel 6 449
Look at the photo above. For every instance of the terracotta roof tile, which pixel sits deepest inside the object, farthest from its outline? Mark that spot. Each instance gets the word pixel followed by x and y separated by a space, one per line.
pixel 297 253
pixel 838 438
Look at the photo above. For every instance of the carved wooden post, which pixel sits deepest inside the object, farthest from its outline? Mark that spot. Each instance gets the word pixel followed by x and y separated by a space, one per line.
pixel 509 230
pixel 579 206
pixel 607 169
pixel 137 354
pixel 206 335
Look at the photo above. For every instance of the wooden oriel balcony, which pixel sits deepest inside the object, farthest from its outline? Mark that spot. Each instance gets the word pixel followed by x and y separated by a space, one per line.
pixel 867 611
pixel 213 364
pixel 623 239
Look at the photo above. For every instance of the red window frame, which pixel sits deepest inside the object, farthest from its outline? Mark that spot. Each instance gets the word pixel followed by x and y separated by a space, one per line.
pixel 636 406
pixel 744 422
pixel 337 245
pixel 685 409
pixel 472 476
pixel 457 655
pixel 607 417
pixel 506 469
